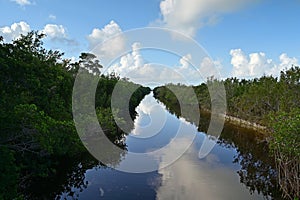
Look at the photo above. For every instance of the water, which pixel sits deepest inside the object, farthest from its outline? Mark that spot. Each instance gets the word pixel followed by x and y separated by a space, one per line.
pixel 238 166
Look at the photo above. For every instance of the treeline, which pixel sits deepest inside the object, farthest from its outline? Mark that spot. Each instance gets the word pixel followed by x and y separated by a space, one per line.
pixel 253 100
pixel 269 101
pixel 36 122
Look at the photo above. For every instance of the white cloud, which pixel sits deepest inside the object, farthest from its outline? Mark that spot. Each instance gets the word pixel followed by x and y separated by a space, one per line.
pixel 134 67
pixel 58 33
pixel 209 68
pixel 52 17
pixel 54 31
pixel 239 62
pixel 187 16
pixel 193 178
pixel 22 2
pixel 155 123
pixel 184 61
pixel 109 49
pixel 257 64
pixel 14 31
pixel 286 62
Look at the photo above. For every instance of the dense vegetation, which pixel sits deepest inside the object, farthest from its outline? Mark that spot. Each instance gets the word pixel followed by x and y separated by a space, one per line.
pixel 268 101
pixel 37 131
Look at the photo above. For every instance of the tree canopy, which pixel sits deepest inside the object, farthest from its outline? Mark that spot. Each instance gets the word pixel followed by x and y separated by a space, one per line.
pixel 36 122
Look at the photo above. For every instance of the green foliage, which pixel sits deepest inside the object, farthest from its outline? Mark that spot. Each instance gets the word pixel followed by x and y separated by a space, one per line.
pixel 48 134
pixel 109 126
pixel 253 100
pixel 36 123
pixel 175 93
pixel 8 174
pixel 285 145
pixel 165 95
pixel 35 115
pixel 34 75
pixel 203 96
pixel 286 133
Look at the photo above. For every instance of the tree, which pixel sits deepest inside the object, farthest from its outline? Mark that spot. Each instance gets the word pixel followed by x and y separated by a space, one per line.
pixel 285 144
pixel 36 122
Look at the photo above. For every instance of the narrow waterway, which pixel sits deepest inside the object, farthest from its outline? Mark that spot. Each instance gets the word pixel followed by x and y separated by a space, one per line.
pixel 238 167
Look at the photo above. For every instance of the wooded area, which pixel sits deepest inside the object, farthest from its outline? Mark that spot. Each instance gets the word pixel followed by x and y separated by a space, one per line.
pixel 36 123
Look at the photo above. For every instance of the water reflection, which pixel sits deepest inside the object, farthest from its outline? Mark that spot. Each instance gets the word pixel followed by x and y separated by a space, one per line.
pixel 149 146
pixel 189 178
pixel 151 118
pixel 237 168
pixel 68 181
pixel 256 167
pixel 108 184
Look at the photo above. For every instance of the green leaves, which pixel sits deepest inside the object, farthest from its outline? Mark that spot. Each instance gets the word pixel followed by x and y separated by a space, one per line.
pixel 36 123
pixel 8 174
pixel 285 145
pixel 41 133
pixel 286 133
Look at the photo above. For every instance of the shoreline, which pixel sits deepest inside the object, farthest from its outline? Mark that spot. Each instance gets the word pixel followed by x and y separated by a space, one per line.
pixel 241 122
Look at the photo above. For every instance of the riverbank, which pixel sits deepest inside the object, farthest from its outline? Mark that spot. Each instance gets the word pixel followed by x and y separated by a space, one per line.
pixel 241 123
pixel 245 123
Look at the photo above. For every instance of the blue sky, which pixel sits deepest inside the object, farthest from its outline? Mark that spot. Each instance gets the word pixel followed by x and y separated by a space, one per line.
pixel 243 38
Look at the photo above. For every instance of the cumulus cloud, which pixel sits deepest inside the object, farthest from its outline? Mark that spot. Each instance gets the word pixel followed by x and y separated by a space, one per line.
pixel 257 64
pixel 109 32
pixel 22 2
pixel 134 67
pixel 14 31
pixel 54 31
pixel 286 62
pixel 210 67
pixel 185 61
pixel 187 16
pixel 57 33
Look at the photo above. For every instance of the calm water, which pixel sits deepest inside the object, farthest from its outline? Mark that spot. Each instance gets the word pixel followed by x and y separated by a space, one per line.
pixel 238 167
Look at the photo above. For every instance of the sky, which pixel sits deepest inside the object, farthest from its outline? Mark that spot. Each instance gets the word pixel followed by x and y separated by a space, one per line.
pixel 242 38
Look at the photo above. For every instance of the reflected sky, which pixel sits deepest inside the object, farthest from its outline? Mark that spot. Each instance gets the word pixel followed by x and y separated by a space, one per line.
pixel 155 128
pixel 213 177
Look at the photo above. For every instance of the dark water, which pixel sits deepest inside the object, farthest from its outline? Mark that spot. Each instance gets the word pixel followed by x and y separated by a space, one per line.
pixel 238 167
